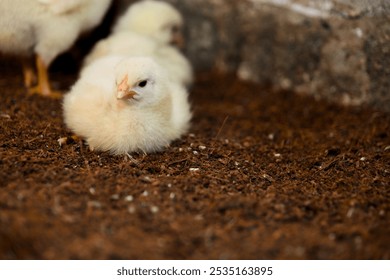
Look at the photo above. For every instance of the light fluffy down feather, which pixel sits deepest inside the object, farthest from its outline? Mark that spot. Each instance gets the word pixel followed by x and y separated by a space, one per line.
pixel 128 43
pixel 157 114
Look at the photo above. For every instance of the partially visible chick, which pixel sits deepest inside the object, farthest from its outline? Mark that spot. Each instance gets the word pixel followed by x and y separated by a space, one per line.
pixel 126 104
pixel 45 28
pixel 156 19
pixel 148 28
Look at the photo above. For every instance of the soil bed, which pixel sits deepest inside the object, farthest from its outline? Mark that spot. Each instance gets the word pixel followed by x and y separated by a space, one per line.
pixel 261 175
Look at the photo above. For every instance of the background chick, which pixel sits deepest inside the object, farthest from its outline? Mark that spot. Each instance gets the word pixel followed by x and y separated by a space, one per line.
pixel 125 105
pixel 156 19
pixel 45 28
pixel 148 28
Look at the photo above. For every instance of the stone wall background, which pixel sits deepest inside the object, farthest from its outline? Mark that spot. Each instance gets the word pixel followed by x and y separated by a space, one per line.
pixel 333 49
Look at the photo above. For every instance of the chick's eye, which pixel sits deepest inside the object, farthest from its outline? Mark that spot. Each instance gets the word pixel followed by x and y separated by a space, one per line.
pixel 143 83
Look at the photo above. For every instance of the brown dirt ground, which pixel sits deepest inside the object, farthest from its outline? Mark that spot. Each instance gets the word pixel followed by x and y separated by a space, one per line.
pixel 262 175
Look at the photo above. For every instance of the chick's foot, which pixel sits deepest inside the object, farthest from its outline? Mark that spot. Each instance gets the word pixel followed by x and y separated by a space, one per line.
pixel 43 88
pixel 39 90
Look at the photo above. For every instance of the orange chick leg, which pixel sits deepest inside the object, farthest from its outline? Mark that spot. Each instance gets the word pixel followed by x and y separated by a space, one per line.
pixel 28 73
pixel 43 88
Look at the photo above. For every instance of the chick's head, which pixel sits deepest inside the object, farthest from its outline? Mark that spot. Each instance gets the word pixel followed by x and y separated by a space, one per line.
pixel 139 81
pixel 157 19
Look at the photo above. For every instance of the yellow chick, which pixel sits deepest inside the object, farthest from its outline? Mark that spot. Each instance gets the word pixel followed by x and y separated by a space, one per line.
pixel 126 104
pixel 156 19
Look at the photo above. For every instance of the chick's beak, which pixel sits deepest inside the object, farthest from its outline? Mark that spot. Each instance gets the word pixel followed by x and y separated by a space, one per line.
pixel 125 94
pixel 123 91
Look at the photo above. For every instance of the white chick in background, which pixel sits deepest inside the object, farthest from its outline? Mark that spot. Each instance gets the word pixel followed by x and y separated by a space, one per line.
pixel 45 28
pixel 156 19
pixel 123 43
pixel 148 28
pixel 126 104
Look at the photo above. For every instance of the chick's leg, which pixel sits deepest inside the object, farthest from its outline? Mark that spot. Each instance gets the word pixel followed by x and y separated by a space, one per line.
pixel 28 72
pixel 43 88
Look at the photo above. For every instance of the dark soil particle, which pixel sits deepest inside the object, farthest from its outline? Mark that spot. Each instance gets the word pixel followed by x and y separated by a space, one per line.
pixel 261 175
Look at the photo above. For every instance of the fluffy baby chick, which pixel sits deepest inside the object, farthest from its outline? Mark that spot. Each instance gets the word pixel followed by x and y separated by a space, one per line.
pixel 148 28
pixel 45 28
pixel 157 19
pixel 125 105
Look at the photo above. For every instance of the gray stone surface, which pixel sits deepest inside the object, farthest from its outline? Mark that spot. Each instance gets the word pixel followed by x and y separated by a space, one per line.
pixel 333 49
